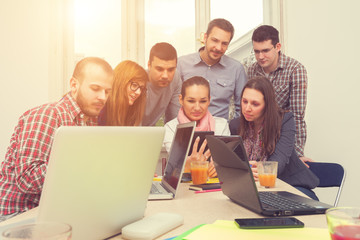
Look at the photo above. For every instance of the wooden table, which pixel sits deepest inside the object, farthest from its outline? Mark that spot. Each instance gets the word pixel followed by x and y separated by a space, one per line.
pixel 203 208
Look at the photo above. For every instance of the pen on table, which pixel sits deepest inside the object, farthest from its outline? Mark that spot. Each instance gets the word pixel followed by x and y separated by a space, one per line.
pixel 210 190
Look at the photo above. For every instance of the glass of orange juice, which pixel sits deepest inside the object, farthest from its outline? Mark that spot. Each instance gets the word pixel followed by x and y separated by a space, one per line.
pixel 199 172
pixel 267 173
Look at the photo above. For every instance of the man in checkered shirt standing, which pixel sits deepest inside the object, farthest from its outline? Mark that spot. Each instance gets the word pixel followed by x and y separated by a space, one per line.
pixel 23 171
pixel 287 75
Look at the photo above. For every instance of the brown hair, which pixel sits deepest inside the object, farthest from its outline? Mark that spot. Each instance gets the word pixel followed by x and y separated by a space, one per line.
pixel 273 115
pixel 163 50
pixel 119 112
pixel 194 81
pixel 222 24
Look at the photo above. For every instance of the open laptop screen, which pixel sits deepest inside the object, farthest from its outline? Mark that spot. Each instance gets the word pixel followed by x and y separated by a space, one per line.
pixel 97 180
pixel 178 152
pixel 234 172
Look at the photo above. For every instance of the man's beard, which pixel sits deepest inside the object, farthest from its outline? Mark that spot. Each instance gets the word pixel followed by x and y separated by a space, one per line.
pixel 85 106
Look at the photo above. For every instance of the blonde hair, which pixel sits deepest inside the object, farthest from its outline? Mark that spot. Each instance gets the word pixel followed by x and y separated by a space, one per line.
pixel 119 112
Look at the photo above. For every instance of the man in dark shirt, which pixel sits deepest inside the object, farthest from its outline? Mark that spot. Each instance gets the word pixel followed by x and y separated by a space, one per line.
pixel 164 85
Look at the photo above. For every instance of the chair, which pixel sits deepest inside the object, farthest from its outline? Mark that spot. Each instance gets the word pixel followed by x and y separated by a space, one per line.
pixel 330 175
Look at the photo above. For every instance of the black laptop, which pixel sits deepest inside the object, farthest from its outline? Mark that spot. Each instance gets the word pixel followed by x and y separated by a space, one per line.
pixel 167 188
pixel 234 172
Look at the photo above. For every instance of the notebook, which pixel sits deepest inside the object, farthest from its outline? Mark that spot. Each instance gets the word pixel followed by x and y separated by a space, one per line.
pixel 167 187
pixel 232 166
pixel 98 178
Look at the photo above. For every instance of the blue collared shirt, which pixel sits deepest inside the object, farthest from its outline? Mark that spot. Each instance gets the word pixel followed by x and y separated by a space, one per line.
pixel 227 78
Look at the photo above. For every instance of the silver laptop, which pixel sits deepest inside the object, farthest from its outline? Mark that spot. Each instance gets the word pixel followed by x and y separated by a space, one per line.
pixel 237 182
pixel 98 178
pixel 167 188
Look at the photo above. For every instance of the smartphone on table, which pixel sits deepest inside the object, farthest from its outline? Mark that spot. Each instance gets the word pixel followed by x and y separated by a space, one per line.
pixel 266 223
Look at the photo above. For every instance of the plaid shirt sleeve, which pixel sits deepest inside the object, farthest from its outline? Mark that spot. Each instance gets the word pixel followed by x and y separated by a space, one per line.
pixel 298 105
pixel 35 136
pixel 290 83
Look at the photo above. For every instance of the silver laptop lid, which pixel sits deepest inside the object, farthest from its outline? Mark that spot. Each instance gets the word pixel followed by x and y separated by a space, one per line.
pixel 98 178
pixel 177 156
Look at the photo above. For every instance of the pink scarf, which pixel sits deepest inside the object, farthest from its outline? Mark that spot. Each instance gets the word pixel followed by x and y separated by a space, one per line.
pixel 207 123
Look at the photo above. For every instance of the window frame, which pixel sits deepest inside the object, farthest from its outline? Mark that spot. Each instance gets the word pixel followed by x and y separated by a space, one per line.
pixel 133 43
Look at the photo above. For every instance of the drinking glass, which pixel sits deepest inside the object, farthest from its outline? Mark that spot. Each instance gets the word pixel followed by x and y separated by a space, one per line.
pixel 39 231
pixel 344 223
pixel 267 173
pixel 199 172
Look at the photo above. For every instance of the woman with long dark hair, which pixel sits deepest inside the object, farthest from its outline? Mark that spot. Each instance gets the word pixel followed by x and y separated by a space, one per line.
pixel 268 134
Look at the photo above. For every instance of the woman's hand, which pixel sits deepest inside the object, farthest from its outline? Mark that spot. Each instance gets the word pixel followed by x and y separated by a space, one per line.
pixel 253 165
pixel 197 155
pixel 306 159
pixel 212 171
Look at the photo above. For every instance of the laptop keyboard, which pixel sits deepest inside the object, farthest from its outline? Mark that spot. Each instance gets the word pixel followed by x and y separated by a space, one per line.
pixel 279 202
pixel 154 189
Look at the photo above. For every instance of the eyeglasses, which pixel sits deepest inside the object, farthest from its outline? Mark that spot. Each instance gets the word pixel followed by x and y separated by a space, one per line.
pixel 135 86
pixel 264 51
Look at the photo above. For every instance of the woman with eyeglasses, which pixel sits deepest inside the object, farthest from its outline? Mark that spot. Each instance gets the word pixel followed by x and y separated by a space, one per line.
pixel 195 100
pixel 126 103
pixel 268 134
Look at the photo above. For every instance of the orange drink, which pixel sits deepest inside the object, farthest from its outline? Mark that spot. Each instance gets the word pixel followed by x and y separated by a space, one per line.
pixel 267 180
pixel 199 172
pixel 199 175
pixel 267 173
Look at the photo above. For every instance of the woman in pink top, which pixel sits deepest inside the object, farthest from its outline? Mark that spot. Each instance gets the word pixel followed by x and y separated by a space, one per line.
pixel 195 100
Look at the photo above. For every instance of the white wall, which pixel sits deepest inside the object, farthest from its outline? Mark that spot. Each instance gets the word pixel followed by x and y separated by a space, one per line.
pixel 24 48
pixel 324 35
pixel 35 61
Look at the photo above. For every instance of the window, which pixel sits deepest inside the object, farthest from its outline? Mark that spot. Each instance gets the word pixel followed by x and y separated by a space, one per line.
pixel 97 26
pixel 170 21
pixel 244 15
pixel 97 29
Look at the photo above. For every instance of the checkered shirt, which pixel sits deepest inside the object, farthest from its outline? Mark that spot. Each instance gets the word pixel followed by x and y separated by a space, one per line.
pixel 23 170
pixel 290 83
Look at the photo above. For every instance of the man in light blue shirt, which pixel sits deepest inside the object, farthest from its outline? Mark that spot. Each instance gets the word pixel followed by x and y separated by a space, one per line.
pixel 226 75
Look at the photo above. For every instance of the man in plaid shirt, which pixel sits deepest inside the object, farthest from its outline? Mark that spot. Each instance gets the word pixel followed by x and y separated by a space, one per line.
pixel 287 75
pixel 23 170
